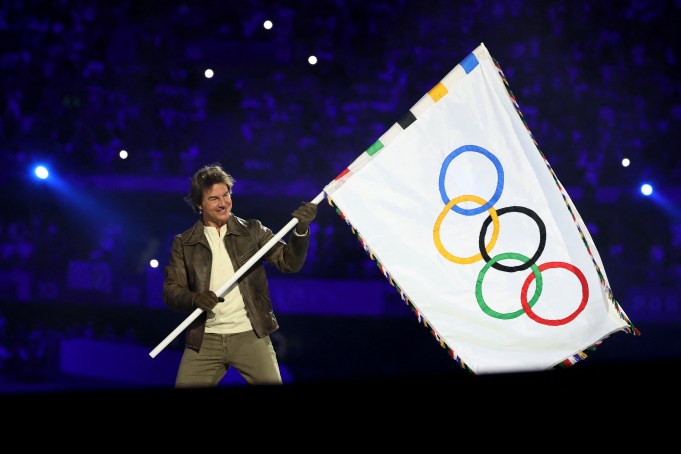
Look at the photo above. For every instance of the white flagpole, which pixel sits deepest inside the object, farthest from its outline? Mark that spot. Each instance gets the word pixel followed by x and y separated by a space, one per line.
pixel 230 282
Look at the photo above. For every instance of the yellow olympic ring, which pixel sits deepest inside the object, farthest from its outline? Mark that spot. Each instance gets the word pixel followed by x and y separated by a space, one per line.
pixel 436 230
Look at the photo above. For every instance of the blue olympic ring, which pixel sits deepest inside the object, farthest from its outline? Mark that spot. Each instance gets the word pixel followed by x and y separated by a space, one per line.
pixel 497 192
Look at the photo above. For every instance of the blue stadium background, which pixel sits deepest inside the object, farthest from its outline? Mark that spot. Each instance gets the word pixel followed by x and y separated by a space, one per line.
pixel 80 306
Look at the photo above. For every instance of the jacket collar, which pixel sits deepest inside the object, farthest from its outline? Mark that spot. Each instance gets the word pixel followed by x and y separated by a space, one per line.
pixel 195 234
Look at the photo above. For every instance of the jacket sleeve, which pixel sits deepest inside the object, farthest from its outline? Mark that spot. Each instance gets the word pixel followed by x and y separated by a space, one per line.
pixel 176 292
pixel 286 257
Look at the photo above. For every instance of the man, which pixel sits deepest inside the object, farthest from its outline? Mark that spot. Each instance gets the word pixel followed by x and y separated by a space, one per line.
pixel 234 328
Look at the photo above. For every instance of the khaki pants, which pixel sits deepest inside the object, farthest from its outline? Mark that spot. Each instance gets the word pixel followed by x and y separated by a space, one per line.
pixel 252 356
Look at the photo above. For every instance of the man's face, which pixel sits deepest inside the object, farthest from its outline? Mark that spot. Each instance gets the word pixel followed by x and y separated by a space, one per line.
pixel 216 205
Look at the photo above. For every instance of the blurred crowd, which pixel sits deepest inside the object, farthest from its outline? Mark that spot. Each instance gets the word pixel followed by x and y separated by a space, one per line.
pixel 82 80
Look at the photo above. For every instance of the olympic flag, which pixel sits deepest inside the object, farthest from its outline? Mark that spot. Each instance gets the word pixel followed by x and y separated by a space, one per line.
pixel 468 221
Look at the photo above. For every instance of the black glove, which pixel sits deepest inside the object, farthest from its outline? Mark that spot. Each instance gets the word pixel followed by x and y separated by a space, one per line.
pixel 305 214
pixel 206 300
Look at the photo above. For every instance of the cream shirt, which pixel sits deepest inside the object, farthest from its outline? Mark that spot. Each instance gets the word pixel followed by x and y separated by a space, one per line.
pixel 229 316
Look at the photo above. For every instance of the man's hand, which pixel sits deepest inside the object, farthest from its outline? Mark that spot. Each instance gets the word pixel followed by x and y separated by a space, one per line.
pixel 206 300
pixel 305 214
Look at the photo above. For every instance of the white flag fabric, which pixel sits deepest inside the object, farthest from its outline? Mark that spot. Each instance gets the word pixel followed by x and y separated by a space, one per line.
pixel 466 218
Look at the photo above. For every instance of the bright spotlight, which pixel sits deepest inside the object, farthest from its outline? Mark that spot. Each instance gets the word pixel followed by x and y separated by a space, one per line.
pixel 123 154
pixel 41 172
pixel 267 24
pixel 646 189
pixel 153 263
pixel 312 60
pixel 626 162
pixel 208 73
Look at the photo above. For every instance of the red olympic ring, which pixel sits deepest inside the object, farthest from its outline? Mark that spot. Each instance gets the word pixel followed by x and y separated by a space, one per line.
pixel 569 318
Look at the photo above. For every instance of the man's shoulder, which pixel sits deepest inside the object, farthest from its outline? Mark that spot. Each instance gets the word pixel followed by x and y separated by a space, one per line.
pixel 245 223
pixel 192 233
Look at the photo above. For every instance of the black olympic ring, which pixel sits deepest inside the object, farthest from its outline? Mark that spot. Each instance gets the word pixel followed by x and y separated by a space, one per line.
pixel 533 259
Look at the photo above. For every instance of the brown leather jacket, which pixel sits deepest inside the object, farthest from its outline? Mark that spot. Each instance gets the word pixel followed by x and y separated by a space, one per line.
pixel 189 266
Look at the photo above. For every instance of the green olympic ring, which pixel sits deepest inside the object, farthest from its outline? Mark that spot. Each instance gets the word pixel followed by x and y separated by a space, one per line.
pixel 478 286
